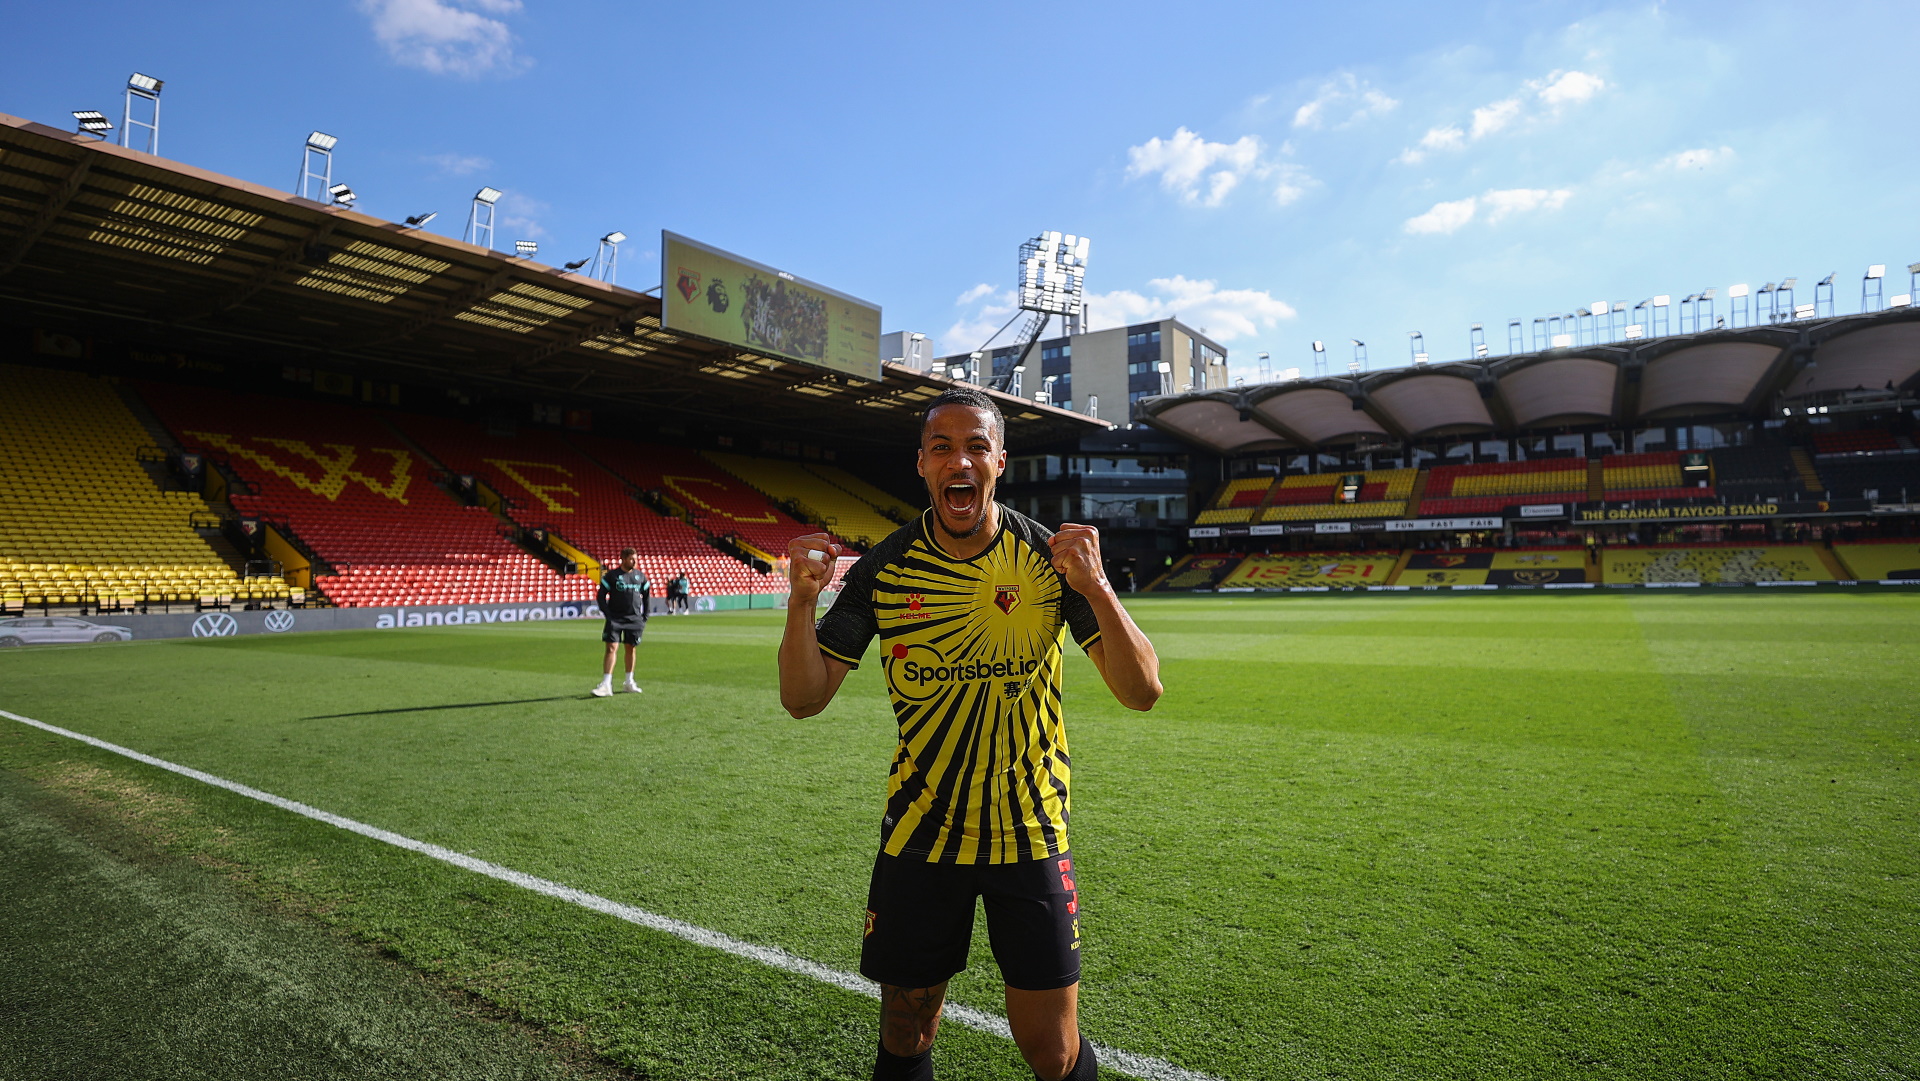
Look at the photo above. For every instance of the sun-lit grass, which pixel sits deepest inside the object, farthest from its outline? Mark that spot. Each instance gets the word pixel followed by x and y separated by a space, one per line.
pixel 1524 836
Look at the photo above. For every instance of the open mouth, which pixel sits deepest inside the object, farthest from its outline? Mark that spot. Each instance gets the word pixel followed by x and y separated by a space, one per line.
pixel 960 499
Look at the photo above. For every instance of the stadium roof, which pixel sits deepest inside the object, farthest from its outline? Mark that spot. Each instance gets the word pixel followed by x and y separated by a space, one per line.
pixel 1752 373
pixel 124 241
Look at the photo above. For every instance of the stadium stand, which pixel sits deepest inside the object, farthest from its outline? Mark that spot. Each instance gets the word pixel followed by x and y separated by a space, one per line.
pixel 1491 487
pixel 713 502
pixel 793 484
pixel 1195 572
pixel 1726 563
pixel 1648 476
pixel 351 489
pixel 1486 566
pixel 1756 474
pixel 889 506
pixel 1888 561
pixel 1316 496
pixel 1336 570
pixel 551 485
pixel 1868 441
pixel 1880 477
pixel 84 522
pixel 1237 501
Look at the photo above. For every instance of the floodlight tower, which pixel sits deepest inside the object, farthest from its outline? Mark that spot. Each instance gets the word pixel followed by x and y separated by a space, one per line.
pixel 316 167
pixel 1783 310
pixel 1417 346
pixel 1516 341
pixel 1359 361
pixel 1266 368
pixel 146 88
pixel 1870 290
pixel 1477 342
pixel 606 258
pixel 1738 305
pixel 1053 281
pixel 480 218
pixel 1319 359
pixel 1827 284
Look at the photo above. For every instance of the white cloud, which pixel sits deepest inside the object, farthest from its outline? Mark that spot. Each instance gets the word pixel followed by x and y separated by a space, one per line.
pixel 974 328
pixel 1225 314
pixel 1206 173
pixel 1446 137
pixel 1449 217
pixel 1702 158
pixel 520 215
pixel 1502 204
pixel 1348 97
pixel 975 293
pixel 446 38
pixel 1491 118
pixel 1569 87
pixel 1293 182
pixel 1444 217
pixel 458 164
pixel 1186 163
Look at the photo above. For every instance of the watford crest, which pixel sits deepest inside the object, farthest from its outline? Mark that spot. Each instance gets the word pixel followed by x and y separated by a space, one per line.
pixel 688 284
pixel 1007 598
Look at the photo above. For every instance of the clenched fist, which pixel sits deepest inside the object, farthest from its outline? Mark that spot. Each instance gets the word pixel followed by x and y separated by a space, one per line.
pixel 810 562
pixel 1076 555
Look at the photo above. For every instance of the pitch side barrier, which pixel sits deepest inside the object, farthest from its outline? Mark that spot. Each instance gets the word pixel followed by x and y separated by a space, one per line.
pixel 1912 584
pixel 119 626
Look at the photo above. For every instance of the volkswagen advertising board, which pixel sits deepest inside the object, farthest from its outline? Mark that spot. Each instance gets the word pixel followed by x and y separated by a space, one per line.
pixel 709 293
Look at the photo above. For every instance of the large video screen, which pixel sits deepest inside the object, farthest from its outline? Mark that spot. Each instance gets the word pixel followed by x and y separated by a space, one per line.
pixel 715 294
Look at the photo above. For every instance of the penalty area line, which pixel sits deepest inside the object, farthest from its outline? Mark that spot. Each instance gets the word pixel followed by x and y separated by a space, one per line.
pixel 1145 1067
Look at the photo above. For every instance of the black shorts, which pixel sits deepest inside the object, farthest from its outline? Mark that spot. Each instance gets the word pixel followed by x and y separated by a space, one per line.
pixel 628 633
pixel 920 921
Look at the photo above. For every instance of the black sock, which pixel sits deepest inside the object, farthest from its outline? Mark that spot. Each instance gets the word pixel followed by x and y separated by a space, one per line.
pixel 1085 1067
pixel 891 1067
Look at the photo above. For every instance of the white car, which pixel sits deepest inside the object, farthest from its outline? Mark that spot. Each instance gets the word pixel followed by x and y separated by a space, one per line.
pixel 36 631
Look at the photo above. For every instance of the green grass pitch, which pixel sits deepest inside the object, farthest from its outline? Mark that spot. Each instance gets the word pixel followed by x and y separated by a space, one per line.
pixel 1600 836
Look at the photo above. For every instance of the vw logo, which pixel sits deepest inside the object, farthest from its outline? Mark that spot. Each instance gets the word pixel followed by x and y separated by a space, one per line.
pixel 215 625
pixel 279 621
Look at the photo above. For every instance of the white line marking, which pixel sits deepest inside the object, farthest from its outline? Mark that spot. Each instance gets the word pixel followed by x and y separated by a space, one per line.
pixel 1142 1066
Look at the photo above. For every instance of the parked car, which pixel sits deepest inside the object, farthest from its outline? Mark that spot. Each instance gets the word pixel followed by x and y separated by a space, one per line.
pixel 37 631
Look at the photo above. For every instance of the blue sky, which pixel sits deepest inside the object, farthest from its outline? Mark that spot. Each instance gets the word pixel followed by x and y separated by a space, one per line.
pixel 1273 173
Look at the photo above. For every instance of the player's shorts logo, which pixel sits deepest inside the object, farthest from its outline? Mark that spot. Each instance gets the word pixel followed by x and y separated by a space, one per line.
pixel 1007 598
pixel 870 917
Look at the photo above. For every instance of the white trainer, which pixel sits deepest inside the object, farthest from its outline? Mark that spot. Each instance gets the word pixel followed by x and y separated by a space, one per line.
pixel 631 686
pixel 603 690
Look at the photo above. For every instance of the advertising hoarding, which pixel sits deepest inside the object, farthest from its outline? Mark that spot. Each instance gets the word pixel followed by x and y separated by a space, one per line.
pixel 715 294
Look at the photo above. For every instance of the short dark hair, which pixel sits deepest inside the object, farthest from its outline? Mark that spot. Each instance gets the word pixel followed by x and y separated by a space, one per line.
pixel 972 398
pixel 625 552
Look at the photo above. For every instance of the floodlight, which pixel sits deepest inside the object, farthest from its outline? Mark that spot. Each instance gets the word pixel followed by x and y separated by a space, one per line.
pixel 1420 358
pixel 1767 288
pixel 1913 268
pixel 1741 290
pixel 1018 368
pixel 1828 280
pixel 320 140
pixel 1635 332
pixel 1877 270
pixel 1788 283
pixel 1264 356
pixel 959 371
pixel 342 194
pixel 614 237
pixel 1619 305
pixel 1599 307
pixel 488 195
pixel 92 121
pixel 1562 341
pixel 1803 311
pixel 144 83
pixel 1163 367
pixel 1355 341
pixel 1901 300
pixel 1662 301
pixel 1581 311
pixel 526 248
pixel 419 220
pixel 1709 294
pixel 1319 347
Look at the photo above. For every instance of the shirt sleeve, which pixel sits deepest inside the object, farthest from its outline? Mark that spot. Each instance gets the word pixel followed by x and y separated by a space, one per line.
pixel 1078 615
pixel 850 625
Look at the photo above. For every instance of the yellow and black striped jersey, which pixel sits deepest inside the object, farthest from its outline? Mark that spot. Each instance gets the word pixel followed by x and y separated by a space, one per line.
pixel 971 650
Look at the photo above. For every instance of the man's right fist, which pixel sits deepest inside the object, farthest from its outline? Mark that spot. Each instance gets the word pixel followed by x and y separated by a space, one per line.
pixel 810 562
